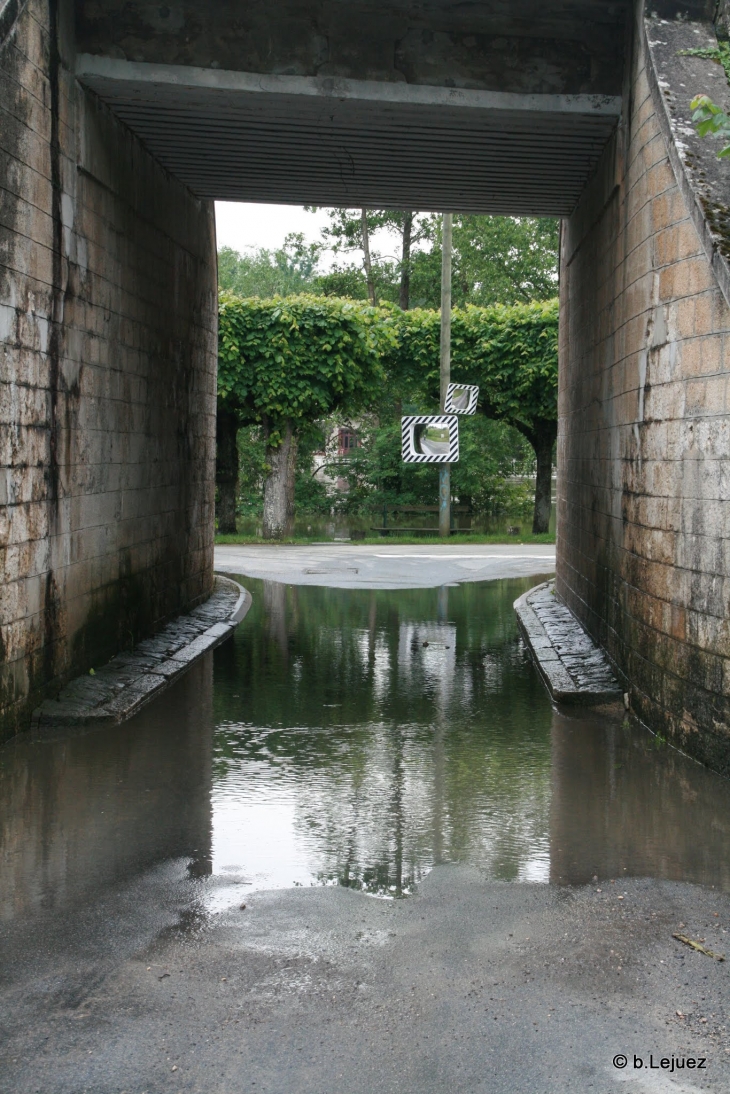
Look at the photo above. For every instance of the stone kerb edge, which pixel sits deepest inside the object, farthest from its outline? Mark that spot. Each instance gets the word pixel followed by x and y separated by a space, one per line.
pixel 701 177
pixel 561 685
pixel 148 676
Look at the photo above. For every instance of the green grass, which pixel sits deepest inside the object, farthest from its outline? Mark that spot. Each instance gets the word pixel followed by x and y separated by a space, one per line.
pixel 402 540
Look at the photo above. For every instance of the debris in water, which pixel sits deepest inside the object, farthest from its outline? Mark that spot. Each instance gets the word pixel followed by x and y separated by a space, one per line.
pixel 698 946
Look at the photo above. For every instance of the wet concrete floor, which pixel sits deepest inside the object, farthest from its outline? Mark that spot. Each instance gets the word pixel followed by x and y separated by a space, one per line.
pixel 448 883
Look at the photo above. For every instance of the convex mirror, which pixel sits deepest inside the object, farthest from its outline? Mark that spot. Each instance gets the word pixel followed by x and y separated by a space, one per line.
pixel 461 399
pixel 430 438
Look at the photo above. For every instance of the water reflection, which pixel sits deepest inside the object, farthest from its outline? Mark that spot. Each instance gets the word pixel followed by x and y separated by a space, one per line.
pixel 82 812
pixel 624 804
pixel 363 736
pixel 357 738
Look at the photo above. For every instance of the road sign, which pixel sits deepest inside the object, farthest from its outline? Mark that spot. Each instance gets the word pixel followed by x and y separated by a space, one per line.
pixel 461 399
pixel 430 438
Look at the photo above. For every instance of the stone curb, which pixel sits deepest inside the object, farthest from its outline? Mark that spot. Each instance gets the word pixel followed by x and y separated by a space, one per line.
pixel 572 667
pixel 120 688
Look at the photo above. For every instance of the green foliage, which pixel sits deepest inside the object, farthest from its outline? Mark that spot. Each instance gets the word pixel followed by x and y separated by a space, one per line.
pixel 510 352
pixel 297 358
pixel 710 120
pixel 505 260
pixel 251 470
pixel 489 453
pixel 290 269
pixel 496 260
pixel 346 281
pixel 720 54
pixel 310 493
pixel 308 359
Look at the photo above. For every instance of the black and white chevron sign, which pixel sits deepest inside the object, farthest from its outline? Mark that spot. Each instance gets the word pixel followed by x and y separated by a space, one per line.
pixel 430 438
pixel 461 399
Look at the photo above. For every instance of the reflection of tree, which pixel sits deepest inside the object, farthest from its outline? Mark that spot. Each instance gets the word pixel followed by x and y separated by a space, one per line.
pixel 396 808
pixel 390 770
pixel 275 616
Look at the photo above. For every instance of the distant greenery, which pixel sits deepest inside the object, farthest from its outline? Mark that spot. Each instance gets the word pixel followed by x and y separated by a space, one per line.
pixel 306 365
pixel 287 362
pixel 511 353
pixel 491 453
pixel 287 382
pixel 504 260
pixel 283 272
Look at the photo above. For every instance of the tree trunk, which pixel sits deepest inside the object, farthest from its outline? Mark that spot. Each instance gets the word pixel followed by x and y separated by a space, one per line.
pixel 366 253
pixel 543 485
pixel 405 266
pixel 279 484
pixel 226 471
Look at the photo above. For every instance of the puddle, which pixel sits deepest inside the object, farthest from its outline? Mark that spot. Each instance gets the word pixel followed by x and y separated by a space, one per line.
pixel 357 737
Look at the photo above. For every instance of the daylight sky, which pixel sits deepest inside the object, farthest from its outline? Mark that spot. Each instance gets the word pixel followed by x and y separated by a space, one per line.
pixel 241 225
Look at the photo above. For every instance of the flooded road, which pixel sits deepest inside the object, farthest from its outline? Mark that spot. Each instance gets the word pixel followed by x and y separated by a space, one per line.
pixel 357 738
pixel 391 743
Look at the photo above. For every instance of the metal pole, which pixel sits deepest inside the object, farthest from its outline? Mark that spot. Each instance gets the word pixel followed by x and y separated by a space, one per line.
pixel 445 362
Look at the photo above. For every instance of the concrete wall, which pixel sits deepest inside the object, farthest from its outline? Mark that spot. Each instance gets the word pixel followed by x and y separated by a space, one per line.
pixel 531 46
pixel 107 376
pixel 644 436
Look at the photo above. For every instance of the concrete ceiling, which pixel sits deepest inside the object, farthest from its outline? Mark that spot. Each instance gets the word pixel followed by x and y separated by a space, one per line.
pixel 290 140
pixel 471 107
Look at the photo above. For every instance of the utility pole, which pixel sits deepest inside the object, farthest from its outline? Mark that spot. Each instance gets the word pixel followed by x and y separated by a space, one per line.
pixel 445 362
pixel 366 252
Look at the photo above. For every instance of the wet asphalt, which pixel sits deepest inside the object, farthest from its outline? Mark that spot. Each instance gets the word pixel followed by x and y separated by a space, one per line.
pixel 467 986
pixel 385 566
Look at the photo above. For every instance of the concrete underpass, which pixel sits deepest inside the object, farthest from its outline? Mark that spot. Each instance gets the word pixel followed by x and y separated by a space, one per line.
pixel 120 124
pixel 123 122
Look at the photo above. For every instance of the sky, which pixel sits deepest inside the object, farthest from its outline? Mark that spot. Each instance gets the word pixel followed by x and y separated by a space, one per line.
pixel 242 224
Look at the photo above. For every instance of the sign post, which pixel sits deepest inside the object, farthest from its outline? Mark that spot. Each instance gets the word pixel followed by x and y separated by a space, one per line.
pixel 445 366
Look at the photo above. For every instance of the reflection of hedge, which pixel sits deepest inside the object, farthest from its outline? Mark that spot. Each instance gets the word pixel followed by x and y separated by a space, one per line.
pixel 301 356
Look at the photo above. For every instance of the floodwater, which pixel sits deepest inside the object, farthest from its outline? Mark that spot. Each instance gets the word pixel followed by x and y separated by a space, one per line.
pixel 356 737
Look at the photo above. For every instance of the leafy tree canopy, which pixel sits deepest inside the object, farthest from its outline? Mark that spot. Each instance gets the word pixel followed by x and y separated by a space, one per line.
pixel 496 260
pixel 505 260
pixel 298 358
pixel 510 352
pixel 264 273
